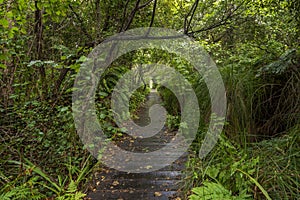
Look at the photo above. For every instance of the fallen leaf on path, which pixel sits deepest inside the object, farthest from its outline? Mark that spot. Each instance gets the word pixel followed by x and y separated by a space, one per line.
pixel 148 167
pixel 115 183
pixel 157 194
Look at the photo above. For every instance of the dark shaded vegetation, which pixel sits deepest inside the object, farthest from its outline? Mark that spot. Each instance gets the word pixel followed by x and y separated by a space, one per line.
pixel 255 45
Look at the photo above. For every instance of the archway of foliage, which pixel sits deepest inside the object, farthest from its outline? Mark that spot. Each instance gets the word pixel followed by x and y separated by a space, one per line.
pixel 254 43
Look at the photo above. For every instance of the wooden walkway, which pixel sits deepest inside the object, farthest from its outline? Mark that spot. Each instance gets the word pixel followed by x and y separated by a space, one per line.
pixel 159 185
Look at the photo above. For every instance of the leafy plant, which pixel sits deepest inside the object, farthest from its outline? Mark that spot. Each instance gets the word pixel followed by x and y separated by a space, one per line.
pixel 64 188
pixel 25 191
pixel 212 191
pixel 173 122
pixel 223 168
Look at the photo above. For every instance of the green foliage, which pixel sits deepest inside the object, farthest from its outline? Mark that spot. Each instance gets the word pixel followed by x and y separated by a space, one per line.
pixel 103 99
pixel 170 101
pixel 279 165
pixel 64 188
pixel 45 133
pixel 223 166
pixel 265 170
pixel 254 43
pixel 257 184
pixel 285 62
pixel 173 122
pixel 137 98
pixel 11 191
pixel 213 191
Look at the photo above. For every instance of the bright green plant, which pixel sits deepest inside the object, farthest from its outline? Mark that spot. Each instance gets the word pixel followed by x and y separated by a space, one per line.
pixel 12 190
pixel 222 168
pixel 66 188
pixel 212 191
pixel 264 170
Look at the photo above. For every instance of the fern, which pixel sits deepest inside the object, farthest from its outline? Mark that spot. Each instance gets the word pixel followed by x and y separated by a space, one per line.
pixel 27 190
pixel 72 193
pixel 214 191
pixel 20 192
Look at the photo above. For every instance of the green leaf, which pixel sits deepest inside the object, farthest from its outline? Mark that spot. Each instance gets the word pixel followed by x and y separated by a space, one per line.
pixel 72 187
pixel 4 23
pixel 63 109
pixel 257 184
pixel 75 67
pixel 3 66
pixel 10 14
pixel 37 63
pixel 103 94
pixel 82 59
pixel 102 116
pixel 39 5
pixel 212 191
pixel 212 171
pixel 49 62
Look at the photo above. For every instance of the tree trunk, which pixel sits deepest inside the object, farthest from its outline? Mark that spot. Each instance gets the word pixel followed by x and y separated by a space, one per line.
pixel 39 48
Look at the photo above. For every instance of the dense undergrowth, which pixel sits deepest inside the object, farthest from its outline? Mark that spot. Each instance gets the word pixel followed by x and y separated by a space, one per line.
pixel 257 156
pixel 43 157
pixel 264 170
pixel 255 45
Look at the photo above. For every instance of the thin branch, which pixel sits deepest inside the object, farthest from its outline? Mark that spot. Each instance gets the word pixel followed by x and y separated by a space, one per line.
pixel 132 14
pixel 124 15
pixel 187 23
pixel 82 27
pixel 144 5
pixel 223 21
pixel 153 13
pixel 143 37
pixel 220 23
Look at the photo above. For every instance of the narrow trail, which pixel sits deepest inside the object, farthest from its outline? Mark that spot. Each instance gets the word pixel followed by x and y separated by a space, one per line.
pixel 159 185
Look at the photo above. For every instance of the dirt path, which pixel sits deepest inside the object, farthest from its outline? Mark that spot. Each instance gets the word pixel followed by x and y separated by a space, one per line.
pixel 161 184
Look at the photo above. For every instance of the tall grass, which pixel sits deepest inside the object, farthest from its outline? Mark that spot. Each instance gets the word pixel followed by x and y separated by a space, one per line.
pixel 279 168
pixel 264 170
pixel 258 153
